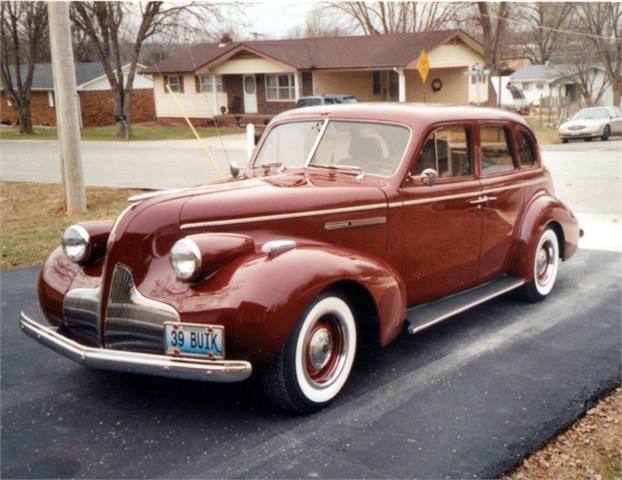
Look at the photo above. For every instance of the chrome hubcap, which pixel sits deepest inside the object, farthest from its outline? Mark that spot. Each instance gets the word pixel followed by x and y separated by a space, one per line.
pixel 320 348
pixel 544 263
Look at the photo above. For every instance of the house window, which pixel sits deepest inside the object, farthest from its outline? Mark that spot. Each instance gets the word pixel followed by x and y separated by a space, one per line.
pixel 525 86
pixel 210 83
pixel 280 88
pixel 540 85
pixel 375 82
pixel 175 83
pixel 51 98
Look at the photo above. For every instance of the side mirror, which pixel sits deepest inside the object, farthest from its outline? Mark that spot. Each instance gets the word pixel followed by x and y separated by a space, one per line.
pixel 234 168
pixel 429 177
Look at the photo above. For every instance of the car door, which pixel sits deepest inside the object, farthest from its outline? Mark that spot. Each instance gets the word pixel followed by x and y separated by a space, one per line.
pixel 435 229
pixel 616 120
pixel 502 188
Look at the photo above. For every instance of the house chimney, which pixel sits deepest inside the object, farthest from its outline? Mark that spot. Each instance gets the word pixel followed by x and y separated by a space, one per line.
pixel 225 40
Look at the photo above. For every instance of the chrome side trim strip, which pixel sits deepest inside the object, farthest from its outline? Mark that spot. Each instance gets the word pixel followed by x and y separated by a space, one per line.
pixel 441 198
pixel 515 186
pixel 134 362
pixel 282 216
pixel 363 222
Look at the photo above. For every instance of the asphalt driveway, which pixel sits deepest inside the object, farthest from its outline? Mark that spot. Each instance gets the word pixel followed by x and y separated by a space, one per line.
pixel 466 399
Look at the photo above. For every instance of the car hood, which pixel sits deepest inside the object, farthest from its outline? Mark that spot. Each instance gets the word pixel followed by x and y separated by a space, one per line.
pixel 588 123
pixel 255 199
pixel 143 235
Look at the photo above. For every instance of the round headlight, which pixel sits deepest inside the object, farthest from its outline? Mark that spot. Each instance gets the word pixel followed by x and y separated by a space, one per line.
pixel 185 258
pixel 76 243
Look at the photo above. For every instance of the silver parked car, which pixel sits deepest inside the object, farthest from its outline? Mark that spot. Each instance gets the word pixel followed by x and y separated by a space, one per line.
pixel 593 122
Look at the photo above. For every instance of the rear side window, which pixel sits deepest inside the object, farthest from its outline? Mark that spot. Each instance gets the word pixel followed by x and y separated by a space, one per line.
pixel 526 150
pixel 496 152
pixel 446 150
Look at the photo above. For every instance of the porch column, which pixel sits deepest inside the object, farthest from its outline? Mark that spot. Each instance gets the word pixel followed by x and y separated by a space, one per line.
pixel 402 84
pixel 296 86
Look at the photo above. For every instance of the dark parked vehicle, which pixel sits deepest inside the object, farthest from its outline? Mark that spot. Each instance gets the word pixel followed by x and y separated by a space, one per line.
pixel 325 100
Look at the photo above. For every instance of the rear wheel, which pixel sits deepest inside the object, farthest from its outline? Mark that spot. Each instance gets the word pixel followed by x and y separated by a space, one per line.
pixel 606 133
pixel 317 358
pixel 564 140
pixel 545 266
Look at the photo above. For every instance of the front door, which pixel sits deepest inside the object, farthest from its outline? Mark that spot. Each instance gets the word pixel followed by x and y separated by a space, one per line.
pixel 436 230
pixel 250 94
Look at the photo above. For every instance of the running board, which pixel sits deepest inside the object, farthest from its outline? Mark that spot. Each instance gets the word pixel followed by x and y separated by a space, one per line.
pixel 423 316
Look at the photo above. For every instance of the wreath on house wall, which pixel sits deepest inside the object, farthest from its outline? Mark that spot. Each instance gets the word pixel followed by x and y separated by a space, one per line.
pixel 437 84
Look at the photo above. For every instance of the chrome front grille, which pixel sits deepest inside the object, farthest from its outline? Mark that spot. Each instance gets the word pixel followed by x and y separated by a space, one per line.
pixel 81 312
pixel 132 321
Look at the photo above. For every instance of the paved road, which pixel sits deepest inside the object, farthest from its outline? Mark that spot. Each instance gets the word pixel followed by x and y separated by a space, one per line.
pixel 144 164
pixel 465 399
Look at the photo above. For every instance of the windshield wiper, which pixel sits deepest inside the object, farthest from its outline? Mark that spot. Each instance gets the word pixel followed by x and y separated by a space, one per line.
pixel 279 166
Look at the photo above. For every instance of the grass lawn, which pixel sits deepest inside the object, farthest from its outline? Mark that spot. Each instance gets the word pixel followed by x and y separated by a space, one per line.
pixel 545 135
pixel 32 218
pixel 140 131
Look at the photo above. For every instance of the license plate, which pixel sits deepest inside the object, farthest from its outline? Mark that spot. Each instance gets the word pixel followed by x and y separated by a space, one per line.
pixel 185 339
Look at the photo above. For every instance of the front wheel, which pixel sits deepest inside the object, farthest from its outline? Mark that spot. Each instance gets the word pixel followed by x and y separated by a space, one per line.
pixel 545 266
pixel 606 134
pixel 317 358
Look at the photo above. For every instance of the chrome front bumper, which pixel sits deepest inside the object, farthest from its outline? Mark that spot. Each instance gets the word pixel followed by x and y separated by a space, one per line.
pixel 134 362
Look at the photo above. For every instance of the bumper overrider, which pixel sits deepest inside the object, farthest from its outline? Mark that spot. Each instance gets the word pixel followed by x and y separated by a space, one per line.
pixel 135 362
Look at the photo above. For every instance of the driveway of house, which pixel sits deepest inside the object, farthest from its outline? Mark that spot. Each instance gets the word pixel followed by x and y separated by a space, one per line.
pixel 468 398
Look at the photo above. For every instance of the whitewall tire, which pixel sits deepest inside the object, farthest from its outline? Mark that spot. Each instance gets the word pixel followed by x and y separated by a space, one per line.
pixel 317 358
pixel 545 265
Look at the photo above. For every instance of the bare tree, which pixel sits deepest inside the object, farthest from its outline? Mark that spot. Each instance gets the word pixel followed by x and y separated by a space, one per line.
pixel 374 18
pixel 23 28
pixel 319 23
pixel 112 25
pixel 542 28
pixel 492 20
pixel 602 24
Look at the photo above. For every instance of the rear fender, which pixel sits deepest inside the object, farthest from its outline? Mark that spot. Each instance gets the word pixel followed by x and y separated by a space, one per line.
pixel 262 296
pixel 544 211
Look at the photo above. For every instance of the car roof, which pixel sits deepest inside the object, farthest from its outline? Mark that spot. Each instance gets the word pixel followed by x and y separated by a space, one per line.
pixel 414 114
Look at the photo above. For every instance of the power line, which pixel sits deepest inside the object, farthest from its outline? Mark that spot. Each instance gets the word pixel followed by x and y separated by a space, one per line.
pixel 558 30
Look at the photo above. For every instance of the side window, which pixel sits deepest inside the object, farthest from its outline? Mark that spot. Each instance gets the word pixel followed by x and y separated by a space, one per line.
pixel 526 150
pixel 495 148
pixel 447 151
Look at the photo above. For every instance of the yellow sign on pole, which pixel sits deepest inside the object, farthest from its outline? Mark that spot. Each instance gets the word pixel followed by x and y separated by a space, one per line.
pixel 423 65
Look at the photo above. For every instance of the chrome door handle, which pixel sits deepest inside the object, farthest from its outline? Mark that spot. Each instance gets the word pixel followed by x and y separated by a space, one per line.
pixel 479 201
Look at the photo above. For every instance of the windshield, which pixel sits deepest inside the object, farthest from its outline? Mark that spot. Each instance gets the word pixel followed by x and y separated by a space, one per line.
pixel 347 100
pixel 373 147
pixel 591 114
pixel 289 144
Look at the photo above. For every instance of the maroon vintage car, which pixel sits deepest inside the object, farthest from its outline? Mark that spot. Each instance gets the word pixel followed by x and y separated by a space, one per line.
pixel 350 220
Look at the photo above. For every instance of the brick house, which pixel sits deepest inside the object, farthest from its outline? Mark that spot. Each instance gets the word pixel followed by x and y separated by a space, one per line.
pixel 94 97
pixel 266 77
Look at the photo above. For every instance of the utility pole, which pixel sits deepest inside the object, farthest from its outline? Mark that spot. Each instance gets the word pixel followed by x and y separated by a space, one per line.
pixel 66 103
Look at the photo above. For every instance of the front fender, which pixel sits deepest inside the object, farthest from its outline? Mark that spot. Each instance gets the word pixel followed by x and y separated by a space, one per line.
pixel 543 211
pixel 259 298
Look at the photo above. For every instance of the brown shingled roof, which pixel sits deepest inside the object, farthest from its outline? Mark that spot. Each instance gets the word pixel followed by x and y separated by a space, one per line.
pixel 368 51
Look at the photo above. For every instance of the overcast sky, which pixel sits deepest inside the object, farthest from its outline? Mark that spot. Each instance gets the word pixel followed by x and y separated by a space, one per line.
pixel 275 19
